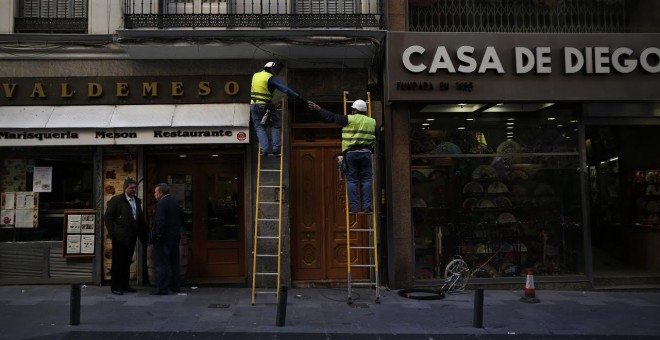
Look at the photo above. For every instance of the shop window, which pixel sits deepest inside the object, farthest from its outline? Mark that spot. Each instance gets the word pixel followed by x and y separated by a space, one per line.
pixel 66 183
pixel 497 185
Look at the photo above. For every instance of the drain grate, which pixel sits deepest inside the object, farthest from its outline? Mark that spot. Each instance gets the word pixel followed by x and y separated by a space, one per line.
pixel 219 305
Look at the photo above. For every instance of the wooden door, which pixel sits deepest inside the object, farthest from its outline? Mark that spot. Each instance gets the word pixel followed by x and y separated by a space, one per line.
pixel 318 221
pixel 210 190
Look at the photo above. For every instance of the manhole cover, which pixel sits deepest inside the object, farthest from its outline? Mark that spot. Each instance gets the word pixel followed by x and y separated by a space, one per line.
pixel 219 305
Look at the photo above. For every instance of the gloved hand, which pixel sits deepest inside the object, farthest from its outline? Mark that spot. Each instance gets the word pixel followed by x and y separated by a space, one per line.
pixel 312 106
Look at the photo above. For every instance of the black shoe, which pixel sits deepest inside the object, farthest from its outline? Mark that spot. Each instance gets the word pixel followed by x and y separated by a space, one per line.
pixel 158 292
pixel 263 154
pixel 276 153
pixel 117 292
pixel 129 289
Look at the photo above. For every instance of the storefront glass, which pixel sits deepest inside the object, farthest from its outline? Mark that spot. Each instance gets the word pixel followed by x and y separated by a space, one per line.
pixel 52 183
pixel 497 185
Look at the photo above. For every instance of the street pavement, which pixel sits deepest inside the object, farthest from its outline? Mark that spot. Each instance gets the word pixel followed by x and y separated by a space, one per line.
pixel 46 312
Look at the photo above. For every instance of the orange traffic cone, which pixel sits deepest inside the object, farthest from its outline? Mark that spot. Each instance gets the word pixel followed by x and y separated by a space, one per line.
pixel 530 295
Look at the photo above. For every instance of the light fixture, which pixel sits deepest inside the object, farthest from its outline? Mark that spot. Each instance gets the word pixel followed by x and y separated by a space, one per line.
pixel 425 124
pixel 510 123
pixel 183 156
pixel 551 118
pixel 214 155
pixel 509 127
pixel 461 127
pixel 430 119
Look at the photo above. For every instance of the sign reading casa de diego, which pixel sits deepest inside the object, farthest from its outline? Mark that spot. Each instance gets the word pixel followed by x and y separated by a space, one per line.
pixel 484 66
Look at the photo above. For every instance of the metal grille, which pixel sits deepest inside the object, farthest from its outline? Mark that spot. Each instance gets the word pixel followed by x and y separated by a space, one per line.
pixel 523 16
pixel 53 9
pixel 51 16
pixel 252 13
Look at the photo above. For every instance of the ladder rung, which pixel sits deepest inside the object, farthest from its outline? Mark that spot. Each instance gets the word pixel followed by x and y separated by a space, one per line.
pixel 266 292
pixel 362 265
pixel 267 255
pixel 363 284
pixel 269 186
pixel 268 202
pixel 268 237
pixel 268 219
pixel 270 170
pixel 369 230
pixel 266 273
pixel 362 247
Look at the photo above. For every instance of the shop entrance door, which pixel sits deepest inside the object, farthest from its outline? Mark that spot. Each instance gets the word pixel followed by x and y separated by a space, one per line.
pixel 318 221
pixel 210 190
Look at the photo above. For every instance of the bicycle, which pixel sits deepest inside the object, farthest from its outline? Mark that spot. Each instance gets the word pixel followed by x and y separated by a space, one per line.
pixel 457 273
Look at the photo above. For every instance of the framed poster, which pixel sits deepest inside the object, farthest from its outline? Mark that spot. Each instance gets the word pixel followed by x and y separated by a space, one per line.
pixel 79 233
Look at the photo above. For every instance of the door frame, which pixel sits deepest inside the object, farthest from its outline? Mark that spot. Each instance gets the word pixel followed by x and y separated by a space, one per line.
pixel 197 164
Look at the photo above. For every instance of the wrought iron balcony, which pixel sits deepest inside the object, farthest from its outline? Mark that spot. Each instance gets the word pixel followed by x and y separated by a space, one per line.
pixel 523 16
pixel 47 16
pixel 263 14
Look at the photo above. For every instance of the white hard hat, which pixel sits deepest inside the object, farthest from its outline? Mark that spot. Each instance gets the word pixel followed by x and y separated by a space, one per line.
pixel 360 105
pixel 269 64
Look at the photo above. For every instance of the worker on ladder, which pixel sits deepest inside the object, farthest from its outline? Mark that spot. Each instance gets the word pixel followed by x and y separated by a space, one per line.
pixel 358 136
pixel 264 84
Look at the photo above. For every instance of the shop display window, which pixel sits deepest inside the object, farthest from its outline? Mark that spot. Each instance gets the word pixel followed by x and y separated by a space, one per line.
pixel 646 195
pixel 498 186
pixel 54 183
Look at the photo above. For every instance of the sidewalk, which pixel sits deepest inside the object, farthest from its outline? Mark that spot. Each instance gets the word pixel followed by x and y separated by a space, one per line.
pixel 43 312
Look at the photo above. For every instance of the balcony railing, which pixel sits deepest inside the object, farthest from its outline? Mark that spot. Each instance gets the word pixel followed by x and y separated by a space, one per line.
pixel 51 16
pixel 253 14
pixel 524 16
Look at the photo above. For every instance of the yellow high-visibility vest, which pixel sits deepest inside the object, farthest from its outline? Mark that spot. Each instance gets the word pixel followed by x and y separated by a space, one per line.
pixel 259 93
pixel 361 130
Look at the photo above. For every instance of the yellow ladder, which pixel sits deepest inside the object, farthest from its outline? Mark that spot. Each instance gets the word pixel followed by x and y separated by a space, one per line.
pixel 371 260
pixel 266 256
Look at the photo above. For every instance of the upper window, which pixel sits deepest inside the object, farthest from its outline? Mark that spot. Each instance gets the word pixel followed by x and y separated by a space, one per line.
pixel 51 16
pixel 53 8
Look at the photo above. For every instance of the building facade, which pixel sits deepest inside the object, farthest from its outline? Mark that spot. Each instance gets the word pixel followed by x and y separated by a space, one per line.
pixel 510 131
pixel 514 134
pixel 97 91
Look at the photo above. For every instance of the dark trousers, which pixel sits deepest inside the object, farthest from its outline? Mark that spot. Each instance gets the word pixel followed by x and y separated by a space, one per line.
pixel 166 263
pixel 359 174
pixel 122 256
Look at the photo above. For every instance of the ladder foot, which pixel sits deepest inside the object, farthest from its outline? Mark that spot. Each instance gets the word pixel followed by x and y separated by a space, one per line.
pixel 378 299
pixel 349 300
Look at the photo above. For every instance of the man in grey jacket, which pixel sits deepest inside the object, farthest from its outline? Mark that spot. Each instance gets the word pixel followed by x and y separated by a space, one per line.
pixel 125 223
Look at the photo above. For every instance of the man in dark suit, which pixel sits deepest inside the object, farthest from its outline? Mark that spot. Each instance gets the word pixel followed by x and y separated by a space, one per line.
pixel 165 237
pixel 125 223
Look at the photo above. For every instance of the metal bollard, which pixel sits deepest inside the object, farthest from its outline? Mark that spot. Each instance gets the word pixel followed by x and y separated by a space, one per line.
pixel 478 321
pixel 74 310
pixel 281 307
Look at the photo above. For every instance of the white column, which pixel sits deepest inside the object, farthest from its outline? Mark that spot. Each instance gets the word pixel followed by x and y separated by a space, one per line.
pixel 104 16
pixel 8 10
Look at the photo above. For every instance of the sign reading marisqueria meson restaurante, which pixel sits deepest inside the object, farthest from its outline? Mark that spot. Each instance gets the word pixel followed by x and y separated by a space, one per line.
pixel 504 66
pixel 124 90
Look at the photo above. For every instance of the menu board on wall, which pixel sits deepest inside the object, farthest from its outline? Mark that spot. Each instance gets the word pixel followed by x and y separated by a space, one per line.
pixel 116 168
pixel 79 237
pixel 19 209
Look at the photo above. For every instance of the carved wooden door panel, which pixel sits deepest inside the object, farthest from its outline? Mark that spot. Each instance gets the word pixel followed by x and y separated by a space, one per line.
pixel 318 221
